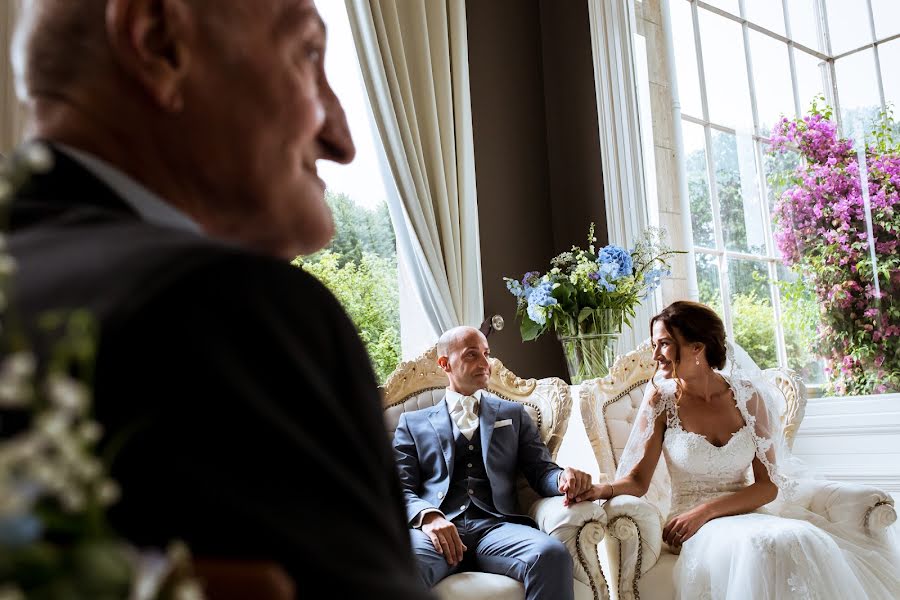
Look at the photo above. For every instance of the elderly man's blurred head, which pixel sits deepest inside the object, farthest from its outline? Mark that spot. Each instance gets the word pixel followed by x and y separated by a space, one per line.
pixel 221 107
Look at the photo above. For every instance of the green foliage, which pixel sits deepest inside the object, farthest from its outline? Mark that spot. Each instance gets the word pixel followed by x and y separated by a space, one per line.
pixel 754 328
pixel 360 268
pixel 359 231
pixel 368 292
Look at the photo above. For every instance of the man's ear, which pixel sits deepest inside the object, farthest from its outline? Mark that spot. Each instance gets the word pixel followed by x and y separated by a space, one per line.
pixel 443 363
pixel 150 40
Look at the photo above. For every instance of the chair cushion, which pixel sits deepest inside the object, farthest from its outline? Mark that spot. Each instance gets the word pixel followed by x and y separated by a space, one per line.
pixel 479 586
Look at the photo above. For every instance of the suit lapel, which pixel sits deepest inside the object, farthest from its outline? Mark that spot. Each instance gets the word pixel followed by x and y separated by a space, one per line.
pixel 440 420
pixel 487 418
pixel 67 188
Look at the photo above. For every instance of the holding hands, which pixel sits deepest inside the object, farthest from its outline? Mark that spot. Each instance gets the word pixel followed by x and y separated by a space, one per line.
pixel 574 484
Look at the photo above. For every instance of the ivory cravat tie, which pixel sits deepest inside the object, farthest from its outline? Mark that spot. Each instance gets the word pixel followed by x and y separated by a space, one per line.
pixel 465 417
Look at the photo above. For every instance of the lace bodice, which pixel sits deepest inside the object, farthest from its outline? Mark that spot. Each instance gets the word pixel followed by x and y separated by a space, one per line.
pixel 700 471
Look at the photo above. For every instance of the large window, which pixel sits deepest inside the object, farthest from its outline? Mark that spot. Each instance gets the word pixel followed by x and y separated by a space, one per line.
pixel 741 66
pixel 360 264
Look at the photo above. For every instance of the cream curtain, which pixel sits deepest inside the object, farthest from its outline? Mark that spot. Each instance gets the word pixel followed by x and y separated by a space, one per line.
pixel 612 27
pixel 12 114
pixel 414 61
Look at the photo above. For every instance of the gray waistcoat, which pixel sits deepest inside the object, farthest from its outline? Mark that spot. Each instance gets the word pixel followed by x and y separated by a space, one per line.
pixel 469 484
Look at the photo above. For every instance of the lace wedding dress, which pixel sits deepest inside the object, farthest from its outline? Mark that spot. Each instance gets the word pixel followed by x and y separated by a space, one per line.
pixel 779 551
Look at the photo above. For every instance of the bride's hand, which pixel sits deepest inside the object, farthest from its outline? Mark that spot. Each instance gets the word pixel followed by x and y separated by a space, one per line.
pixel 684 526
pixel 594 493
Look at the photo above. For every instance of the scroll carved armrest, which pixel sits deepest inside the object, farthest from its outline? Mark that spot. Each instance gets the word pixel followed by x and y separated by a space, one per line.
pixel 581 528
pixel 866 507
pixel 634 540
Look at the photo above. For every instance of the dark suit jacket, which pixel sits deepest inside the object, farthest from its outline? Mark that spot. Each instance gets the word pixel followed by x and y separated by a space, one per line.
pixel 423 449
pixel 248 410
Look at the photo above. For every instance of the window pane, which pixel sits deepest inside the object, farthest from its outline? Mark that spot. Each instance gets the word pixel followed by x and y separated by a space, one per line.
pixel 698 185
pixel 889 57
pixel 752 316
pixel 779 170
pixel 738 193
pixel 810 77
pixel 857 91
pixel 725 69
pixel 708 281
pixel 726 5
pixel 766 13
pixel 804 28
pixel 822 228
pixel 686 59
pixel 800 320
pixel 848 25
pixel 360 264
pixel 772 78
pixel 887 17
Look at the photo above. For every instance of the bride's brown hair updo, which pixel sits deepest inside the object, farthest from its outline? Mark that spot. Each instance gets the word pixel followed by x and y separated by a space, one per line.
pixel 695 323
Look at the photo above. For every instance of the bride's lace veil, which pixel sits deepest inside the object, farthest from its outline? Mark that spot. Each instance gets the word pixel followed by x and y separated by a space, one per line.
pixel 761 404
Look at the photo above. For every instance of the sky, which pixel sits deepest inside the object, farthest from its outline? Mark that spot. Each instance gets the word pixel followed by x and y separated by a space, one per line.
pixel 361 180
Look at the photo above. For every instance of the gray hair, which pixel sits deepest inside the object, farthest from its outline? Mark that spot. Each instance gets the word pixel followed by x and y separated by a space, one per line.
pixel 56 43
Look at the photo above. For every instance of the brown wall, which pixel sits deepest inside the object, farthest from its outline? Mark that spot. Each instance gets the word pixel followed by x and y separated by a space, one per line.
pixel 537 155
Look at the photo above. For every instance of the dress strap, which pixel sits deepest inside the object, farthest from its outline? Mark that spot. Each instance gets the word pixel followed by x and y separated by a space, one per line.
pixel 668 402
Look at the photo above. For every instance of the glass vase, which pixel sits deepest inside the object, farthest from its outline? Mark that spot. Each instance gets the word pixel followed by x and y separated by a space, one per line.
pixel 590 345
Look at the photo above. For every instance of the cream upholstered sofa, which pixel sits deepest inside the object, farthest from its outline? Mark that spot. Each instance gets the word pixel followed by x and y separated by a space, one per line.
pixel 420 384
pixel 640 565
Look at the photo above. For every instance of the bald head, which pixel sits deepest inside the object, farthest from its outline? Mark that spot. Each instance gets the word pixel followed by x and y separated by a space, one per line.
pixel 453 337
pixel 463 354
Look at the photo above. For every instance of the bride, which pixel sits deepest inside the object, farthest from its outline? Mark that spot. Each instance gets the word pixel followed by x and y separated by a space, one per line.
pixel 737 517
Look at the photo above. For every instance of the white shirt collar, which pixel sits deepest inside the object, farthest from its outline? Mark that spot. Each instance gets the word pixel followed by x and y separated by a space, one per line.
pixel 454 398
pixel 150 207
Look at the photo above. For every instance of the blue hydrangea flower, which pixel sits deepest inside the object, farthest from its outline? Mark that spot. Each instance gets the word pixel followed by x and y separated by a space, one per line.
pixel 618 256
pixel 605 274
pixel 515 288
pixel 653 279
pixel 539 298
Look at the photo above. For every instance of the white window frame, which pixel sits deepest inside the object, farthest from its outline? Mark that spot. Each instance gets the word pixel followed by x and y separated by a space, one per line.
pixel 829 84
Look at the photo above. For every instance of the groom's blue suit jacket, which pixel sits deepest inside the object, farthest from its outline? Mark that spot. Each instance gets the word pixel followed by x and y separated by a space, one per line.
pixel 424 448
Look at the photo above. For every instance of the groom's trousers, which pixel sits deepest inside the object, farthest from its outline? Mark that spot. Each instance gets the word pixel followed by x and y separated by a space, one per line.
pixel 542 563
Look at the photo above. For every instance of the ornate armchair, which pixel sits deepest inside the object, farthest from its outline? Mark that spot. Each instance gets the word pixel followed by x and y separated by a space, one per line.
pixel 420 383
pixel 639 563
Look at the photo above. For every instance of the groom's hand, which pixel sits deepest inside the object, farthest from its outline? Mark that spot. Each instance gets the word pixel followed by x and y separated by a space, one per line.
pixel 573 483
pixel 444 536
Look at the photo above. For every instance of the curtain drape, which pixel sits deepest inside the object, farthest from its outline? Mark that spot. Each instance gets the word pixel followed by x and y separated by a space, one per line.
pixel 612 26
pixel 414 60
pixel 12 114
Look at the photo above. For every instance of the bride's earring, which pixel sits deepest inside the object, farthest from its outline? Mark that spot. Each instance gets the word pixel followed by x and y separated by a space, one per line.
pixel 697 360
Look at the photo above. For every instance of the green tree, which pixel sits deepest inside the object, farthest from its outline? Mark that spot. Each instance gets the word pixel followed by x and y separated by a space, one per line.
pixel 368 292
pixel 360 268
pixel 360 231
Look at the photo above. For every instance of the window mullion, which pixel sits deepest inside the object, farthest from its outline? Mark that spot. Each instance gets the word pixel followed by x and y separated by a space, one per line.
pixel 774 291
pixel 875 54
pixel 830 83
pixel 792 61
pixel 711 175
